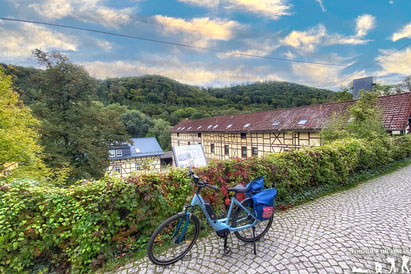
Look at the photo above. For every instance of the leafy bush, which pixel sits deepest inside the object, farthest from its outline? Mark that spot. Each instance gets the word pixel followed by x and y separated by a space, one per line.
pixel 84 225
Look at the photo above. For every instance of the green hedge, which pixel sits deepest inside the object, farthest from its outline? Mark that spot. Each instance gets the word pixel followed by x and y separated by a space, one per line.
pixel 82 226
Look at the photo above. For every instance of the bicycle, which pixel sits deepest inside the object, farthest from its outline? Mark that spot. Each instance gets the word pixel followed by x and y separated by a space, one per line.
pixel 175 237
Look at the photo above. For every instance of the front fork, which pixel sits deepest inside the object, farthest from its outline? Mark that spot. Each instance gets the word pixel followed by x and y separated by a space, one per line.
pixel 187 217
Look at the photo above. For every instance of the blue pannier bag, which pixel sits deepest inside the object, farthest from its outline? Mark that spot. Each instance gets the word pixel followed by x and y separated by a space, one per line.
pixel 255 186
pixel 264 203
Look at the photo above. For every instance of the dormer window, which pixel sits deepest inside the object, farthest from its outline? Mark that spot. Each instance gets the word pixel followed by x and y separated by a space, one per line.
pixel 246 125
pixel 276 123
pixel 119 152
pixel 302 122
pixel 137 150
pixel 111 153
pixel 230 125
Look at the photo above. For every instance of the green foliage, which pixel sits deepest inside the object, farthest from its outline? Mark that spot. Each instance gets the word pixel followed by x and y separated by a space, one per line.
pixel 18 135
pixel 363 120
pixel 75 130
pixel 136 123
pixel 84 225
pixel 160 131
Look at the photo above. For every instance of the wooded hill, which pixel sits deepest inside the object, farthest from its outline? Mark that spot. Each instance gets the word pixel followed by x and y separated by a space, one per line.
pixel 162 98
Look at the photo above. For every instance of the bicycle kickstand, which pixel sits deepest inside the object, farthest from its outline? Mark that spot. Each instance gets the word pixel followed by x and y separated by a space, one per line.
pixel 255 248
pixel 227 250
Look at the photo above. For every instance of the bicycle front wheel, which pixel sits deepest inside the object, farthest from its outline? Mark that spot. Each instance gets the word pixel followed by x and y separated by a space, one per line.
pixel 173 239
pixel 241 217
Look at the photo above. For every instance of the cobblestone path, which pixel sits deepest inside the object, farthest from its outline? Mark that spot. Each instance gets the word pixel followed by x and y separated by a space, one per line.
pixel 351 231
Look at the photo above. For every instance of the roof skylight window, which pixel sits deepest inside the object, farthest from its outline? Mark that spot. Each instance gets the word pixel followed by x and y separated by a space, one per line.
pixel 179 128
pixel 302 122
pixel 215 126
pixel 276 123
pixel 199 127
pixel 183 128
pixel 209 126
pixel 189 128
pixel 246 125
pixel 230 125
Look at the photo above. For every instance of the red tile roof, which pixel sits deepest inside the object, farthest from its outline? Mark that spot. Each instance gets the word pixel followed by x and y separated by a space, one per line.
pixel 397 110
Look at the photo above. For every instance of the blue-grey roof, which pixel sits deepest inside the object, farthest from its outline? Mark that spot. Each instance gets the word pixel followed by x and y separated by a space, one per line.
pixel 140 147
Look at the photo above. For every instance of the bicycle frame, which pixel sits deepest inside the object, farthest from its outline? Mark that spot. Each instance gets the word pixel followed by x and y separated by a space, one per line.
pixel 221 224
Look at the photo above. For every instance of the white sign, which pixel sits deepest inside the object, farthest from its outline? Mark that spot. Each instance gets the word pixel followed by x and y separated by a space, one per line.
pixel 192 155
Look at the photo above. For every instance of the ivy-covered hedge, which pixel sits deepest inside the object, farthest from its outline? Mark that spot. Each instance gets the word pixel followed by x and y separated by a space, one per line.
pixel 82 226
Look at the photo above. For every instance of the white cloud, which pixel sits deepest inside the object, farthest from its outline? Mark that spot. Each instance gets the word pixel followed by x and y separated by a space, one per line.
pixel 273 9
pixel 22 40
pixel 203 3
pixel 405 32
pixel 323 75
pixel 397 63
pixel 93 11
pixel 254 47
pixel 364 23
pixel 195 73
pixel 199 31
pixel 321 5
pixel 308 40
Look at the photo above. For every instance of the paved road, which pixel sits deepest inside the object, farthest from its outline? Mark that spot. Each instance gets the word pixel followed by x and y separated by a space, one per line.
pixel 351 230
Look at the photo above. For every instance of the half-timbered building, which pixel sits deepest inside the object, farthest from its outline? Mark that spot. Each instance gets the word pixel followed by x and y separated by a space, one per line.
pixel 141 154
pixel 245 135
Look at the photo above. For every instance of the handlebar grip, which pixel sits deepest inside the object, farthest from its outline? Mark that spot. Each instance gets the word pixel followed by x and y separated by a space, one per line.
pixel 212 187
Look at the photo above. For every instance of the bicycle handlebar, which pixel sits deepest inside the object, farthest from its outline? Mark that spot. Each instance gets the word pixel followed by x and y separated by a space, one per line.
pixel 197 180
pixel 211 186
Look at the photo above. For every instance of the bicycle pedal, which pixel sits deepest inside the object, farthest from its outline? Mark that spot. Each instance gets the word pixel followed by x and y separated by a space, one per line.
pixel 227 250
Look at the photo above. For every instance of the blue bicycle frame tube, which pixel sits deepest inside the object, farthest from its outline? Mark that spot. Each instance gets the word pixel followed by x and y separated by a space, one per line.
pixel 221 224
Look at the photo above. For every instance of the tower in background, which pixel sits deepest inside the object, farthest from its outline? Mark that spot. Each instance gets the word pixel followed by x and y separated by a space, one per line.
pixel 365 83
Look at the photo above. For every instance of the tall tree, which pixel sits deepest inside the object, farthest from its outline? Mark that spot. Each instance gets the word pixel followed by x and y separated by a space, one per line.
pixel 19 149
pixel 137 124
pixel 75 129
pixel 363 120
pixel 161 130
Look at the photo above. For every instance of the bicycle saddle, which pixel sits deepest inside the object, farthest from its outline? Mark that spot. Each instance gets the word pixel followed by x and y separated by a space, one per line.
pixel 238 189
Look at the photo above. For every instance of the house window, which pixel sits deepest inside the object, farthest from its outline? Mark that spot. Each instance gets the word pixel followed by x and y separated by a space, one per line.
pixel 302 122
pixel 254 151
pixel 137 167
pixel 212 148
pixel 112 153
pixel 189 143
pixel 244 152
pixel 117 169
pixel 243 136
pixel 119 152
pixel 178 134
pixel 199 135
pixel 226 150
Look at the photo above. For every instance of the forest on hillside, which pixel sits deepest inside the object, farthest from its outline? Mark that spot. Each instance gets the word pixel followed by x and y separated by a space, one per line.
pixel 79 116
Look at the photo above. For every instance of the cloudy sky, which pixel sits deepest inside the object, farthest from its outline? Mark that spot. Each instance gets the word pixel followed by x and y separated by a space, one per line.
pixel 343 36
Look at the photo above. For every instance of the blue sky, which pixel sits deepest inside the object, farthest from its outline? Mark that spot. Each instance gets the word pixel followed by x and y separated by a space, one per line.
pixel 349 33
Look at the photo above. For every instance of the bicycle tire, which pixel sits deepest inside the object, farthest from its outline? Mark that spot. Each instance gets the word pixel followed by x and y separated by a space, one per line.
pixel 167 227
pixel 263 226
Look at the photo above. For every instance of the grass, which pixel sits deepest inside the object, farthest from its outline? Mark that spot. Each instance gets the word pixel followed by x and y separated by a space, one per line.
pixel 300 198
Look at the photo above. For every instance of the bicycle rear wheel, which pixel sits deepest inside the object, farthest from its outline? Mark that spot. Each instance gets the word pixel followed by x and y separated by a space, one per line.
pixel 241 217
pixel 173 239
